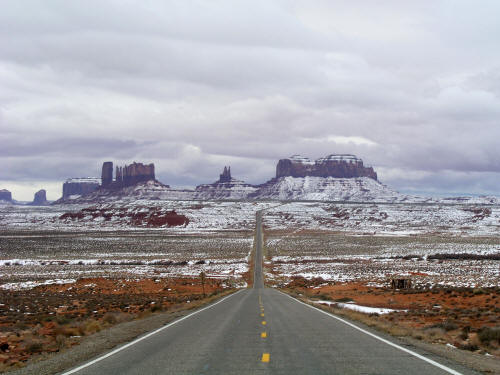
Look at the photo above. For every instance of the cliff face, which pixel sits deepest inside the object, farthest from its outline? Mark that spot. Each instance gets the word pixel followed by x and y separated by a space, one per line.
pixel 40 198
pixel 107 174
pixel 5 195
pixel 338 166
pixel 79 186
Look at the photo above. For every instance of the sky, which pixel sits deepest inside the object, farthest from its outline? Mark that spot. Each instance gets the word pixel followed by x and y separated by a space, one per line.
pixel 411 87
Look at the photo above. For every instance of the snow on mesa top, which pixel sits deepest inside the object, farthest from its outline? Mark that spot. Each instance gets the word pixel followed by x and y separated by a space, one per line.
pixel 341 157
pixel 300 159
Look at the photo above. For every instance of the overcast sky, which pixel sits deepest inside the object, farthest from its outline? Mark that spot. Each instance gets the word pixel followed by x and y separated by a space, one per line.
pixel 411 87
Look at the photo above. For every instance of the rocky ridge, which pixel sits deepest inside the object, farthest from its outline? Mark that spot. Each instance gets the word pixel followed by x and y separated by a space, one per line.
pixel 341 177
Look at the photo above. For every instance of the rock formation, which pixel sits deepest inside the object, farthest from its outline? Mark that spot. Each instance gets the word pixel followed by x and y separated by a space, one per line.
pixel 40 198
pixel 225 188
pixel 5 195
pixel 127 175
pixel 335 177
pixel 107 174
pixel 335 165
pixel 226 175
pixel 79 186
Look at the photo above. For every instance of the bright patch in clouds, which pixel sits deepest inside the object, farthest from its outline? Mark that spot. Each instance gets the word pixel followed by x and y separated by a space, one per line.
pixel 351 140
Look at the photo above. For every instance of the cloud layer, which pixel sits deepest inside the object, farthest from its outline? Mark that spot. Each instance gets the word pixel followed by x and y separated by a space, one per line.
pixel 412 88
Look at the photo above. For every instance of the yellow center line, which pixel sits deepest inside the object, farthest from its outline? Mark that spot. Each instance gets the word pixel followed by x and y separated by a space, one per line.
pixel 262 314
pixel 263 335
pixel 264 323
pixel 265 357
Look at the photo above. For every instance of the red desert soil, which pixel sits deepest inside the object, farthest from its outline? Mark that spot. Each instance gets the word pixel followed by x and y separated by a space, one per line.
pixel 464 317
pixel 151 217
pixel 50 318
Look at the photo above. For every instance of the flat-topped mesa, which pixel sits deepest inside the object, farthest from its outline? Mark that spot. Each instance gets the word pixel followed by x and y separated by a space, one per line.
pixel 5 195
pixel 79 186
pixel 335 165
pixel 127 175
pixel 225 176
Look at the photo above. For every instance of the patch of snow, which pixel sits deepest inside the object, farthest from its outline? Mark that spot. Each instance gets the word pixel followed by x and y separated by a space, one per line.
pixel 359 308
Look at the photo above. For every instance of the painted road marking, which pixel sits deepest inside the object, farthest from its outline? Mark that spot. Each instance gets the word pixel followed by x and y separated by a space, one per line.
pixel 148 335
pixel 265 357
pixel 434 363
pixel 264 322
pixel 263 335
pixel 262 314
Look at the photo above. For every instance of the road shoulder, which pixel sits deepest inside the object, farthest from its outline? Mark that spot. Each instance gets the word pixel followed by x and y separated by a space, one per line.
pixel 477 362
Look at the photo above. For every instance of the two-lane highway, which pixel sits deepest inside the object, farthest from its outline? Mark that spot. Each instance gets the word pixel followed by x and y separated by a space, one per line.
pixel 262 330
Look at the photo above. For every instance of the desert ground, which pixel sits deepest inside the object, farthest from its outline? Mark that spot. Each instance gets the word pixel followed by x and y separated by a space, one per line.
pixel 67 272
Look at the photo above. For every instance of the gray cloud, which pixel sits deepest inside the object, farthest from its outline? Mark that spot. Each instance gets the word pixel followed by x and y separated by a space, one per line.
pixel 194 86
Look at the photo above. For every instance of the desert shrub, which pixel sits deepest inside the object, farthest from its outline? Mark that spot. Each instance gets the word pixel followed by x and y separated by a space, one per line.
pixel 20 325
pixel 434 332
pixel 63 319
pixel 110 318
pixel 465 333
pixel 60 341
pixel 447 325
pixel 487 334
pixel 68 331
pixel 34 347
pixel 156 308
pixel 469 346
pixel 91 326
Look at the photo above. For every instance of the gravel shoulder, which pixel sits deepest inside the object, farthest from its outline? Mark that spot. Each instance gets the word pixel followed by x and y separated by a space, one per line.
pixel 479 362
pixel 104 341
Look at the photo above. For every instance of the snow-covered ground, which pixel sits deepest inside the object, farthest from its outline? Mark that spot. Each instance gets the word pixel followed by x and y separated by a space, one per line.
pixel 349 241
pixel 427 260
pixel 31 259
pixel 355 307
pixel 363 218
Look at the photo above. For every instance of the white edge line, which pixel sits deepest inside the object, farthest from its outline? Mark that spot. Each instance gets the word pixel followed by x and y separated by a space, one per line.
pixel 146 336
pixel 447 369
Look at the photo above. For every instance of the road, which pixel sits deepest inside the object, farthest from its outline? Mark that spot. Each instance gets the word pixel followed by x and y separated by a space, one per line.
pixel 263 331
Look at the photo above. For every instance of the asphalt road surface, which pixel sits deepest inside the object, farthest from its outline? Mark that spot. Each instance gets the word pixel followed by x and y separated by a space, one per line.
pixel 261 330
